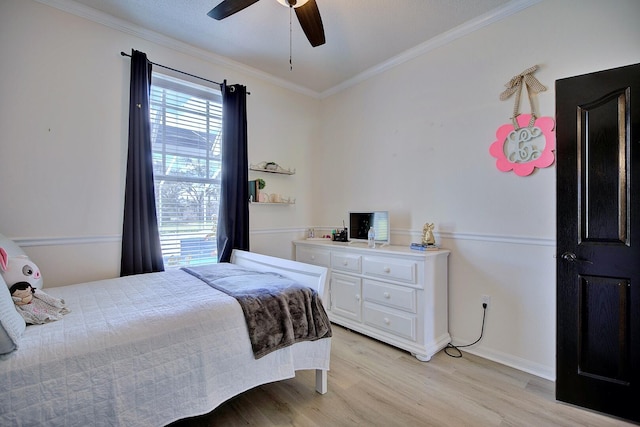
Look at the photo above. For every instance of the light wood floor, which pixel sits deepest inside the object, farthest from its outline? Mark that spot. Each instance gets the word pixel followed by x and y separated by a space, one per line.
pixel 373 384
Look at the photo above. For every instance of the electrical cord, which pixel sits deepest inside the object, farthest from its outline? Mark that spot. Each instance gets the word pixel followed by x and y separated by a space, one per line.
pixel 458 347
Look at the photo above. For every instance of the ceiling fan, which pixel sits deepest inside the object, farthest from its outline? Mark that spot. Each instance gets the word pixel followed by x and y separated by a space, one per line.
pixel 306 11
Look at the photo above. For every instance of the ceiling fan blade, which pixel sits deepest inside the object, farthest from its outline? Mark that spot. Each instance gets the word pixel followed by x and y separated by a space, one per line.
pixel 229 7
pixel 311 22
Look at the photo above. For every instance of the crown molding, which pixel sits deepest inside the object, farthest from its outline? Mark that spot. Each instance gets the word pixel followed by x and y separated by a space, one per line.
pixel 460 31
pixel 121 25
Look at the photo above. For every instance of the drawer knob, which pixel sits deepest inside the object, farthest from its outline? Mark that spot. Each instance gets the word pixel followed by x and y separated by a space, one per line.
pixel 387 269
pixel 387 321
pixel 387 295
pixel 345 262
pixel 313 257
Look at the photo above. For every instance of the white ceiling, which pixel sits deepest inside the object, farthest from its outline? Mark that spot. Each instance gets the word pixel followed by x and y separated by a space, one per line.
pixel 362 35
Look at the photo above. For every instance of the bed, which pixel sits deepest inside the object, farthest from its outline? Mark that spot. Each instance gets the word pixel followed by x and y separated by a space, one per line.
pixel 148 350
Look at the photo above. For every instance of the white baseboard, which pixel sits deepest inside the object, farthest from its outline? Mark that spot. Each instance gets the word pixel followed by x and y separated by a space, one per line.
pixel 524 365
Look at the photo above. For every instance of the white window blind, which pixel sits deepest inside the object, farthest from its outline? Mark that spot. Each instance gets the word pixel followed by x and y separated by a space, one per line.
pixel 186 125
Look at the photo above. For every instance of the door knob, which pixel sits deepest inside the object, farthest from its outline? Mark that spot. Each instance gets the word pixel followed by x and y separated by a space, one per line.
pixel 571 257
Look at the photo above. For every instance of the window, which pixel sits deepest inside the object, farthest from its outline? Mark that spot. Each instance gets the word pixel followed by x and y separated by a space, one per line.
pixel 186 122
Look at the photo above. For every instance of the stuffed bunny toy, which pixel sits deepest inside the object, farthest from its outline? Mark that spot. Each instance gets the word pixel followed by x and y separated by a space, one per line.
pixel 19 269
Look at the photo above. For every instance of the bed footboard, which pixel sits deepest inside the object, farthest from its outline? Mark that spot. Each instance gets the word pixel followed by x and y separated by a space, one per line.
pixel 307 274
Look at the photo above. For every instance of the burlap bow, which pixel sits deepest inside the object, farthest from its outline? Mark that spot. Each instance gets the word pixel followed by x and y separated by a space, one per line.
pixel 515 86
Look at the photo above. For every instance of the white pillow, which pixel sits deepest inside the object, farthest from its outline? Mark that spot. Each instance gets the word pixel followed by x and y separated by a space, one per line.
pixel 12 325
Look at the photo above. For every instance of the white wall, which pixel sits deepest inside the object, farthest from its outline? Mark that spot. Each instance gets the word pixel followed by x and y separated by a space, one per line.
pixel 64 97
pixel 415 140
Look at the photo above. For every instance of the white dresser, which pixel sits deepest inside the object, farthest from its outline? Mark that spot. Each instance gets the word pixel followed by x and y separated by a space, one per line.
pixel 391 293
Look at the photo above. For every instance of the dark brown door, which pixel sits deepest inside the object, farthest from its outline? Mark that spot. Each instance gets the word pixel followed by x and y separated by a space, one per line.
pixel 598 237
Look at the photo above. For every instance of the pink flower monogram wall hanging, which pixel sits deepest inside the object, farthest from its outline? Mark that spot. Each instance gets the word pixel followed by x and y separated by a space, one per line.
pixel 528 142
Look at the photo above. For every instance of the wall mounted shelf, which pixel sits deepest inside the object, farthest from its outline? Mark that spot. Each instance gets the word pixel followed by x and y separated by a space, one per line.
pixel 272 203
pixel 271 167
pixel 284 201
pixel 276 199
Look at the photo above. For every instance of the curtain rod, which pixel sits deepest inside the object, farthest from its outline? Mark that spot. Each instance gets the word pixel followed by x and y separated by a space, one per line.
pixel 177 71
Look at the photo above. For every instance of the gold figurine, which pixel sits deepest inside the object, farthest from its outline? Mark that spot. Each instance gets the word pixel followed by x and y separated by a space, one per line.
pixel 427 234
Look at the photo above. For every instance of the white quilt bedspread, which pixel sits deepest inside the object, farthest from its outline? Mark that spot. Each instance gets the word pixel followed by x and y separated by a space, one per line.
pixel 142 350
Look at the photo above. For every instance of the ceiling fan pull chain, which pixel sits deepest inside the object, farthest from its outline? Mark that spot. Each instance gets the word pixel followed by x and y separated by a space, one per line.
pixel 290 38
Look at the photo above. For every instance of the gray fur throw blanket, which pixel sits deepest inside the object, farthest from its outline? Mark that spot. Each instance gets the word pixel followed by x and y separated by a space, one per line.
pixel 279 312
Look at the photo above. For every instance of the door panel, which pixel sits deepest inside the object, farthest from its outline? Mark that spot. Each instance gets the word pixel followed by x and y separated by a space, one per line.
pixel 603 325
pixel 598 238
pixel 603 162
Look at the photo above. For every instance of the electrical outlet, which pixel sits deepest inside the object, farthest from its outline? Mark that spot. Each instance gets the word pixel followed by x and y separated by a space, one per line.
pixel 486 299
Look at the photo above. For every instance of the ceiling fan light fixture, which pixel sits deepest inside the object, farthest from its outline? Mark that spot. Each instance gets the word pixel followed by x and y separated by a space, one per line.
pixel 306 11
pixel 296 3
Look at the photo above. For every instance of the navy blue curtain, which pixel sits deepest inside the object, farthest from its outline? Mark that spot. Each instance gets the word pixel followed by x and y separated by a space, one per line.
pixel 141 252
pixel 233 216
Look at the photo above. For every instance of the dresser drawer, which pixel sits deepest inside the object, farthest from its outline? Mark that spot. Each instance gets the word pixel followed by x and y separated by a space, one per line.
pixel 390 295
pixel 392 269
pixel 312 256
pixel 346 262
pixel 403 325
